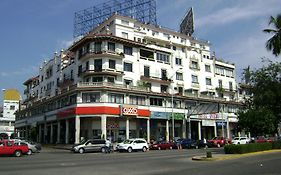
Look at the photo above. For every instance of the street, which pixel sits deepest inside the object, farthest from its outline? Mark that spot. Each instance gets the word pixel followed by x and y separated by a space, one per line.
pixel 53 161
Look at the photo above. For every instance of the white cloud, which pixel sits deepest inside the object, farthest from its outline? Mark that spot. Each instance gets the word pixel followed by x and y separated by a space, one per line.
pixel 244 10
pixel 19 72
pixel 63 44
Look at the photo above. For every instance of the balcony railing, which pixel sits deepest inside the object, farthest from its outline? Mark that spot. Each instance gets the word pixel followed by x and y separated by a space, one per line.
pixel 113 85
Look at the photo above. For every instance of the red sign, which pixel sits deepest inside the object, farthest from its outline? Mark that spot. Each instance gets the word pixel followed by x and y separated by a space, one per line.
pixel 129 110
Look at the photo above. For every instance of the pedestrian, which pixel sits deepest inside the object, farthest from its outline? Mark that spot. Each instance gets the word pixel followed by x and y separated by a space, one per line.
pixel 205 143
pixel 107 146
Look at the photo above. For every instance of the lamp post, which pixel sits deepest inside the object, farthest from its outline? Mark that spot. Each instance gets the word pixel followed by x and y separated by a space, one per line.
pixel 173 117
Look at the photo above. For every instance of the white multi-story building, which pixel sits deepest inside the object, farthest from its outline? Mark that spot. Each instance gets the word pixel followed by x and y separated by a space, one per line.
pixel 10 106
pixel 121 80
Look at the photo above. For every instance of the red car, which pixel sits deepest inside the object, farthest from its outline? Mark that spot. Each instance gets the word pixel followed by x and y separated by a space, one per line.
pixel 163 145
pixel 8 147
pixel 262 139
pixel 218 141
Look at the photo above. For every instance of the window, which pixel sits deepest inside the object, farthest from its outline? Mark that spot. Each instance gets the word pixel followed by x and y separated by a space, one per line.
pixel 124 35
pixel 128 50
pixel 174 48
pixel 112 64
pixel 208 81
pixel 229 72
pixel 128 82
pixel 97 79
pixel 146 54
pixel 220 83
pixel 87 65
pixel 179 76
pixel 110 79
pixel 219 70
pixel 178 61
pixel 79 69
pixel 98 65
pixel 194 78
pixel 207 68
pixel 156 101
pixel 164 74
pixel 164 88
pixel 194 65
pixel 137 100
pixel 12 107
pixel 146 71
pixel 163 57
pixel 71 75
pixel 230 86
pixel 128 67
pixel 91 97
pixel 116 98
pixel 97 47
pixel 111 46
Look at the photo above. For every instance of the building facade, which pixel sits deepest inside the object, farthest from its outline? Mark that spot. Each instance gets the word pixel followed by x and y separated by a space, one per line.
pixel 127 79
pixel 10 106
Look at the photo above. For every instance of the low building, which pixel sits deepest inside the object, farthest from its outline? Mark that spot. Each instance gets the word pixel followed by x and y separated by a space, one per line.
pixel 120 81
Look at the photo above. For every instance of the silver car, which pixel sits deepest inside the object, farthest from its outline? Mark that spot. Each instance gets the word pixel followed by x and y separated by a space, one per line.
pixel 31 147
pixel 91 145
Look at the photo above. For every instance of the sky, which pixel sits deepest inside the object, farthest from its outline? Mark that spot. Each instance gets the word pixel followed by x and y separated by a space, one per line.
pixel 31 31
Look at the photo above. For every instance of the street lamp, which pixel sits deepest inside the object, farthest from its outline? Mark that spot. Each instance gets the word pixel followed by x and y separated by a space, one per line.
pixel 173 117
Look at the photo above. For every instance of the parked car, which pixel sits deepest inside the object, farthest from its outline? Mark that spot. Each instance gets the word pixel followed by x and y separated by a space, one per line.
pixel 31 147
pixel 262 139
pixel 163 145
pixel 218 141
pixel 8 147
pixel 189 143
pixel 133 145
pixel 91 145
pixel 240 140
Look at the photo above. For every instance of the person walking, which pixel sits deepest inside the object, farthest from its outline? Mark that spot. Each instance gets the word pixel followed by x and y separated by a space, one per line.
pixel 107 146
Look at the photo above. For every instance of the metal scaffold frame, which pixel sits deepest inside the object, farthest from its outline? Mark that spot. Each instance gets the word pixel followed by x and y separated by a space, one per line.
pixel 87 19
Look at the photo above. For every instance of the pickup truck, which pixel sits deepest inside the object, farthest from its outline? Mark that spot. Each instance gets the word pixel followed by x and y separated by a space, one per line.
pixel 8 147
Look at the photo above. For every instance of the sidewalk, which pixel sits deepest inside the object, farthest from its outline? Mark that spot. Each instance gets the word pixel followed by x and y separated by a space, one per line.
pixel 58 146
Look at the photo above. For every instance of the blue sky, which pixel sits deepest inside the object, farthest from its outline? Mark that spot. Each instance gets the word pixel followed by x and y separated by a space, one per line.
pixel 31 31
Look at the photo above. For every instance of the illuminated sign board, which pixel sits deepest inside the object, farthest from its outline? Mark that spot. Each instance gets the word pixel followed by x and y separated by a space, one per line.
pixel 129 110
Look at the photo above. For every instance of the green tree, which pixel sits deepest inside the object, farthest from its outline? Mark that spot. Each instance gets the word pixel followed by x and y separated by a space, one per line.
pixel 265 85
pixel 274 43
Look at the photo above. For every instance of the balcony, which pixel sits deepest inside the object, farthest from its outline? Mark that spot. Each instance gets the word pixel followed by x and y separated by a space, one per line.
pixel 156 78
pixel 111 85
pixel 106 71
pixel 104 53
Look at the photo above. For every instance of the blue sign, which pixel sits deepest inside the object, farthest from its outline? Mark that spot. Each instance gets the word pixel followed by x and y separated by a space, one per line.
pixel 221 123
pixel 159 115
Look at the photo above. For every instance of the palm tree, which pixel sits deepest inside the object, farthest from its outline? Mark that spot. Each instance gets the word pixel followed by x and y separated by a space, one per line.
pixel 274 43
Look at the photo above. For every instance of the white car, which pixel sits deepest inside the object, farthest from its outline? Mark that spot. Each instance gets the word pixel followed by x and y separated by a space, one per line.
pixel 133 145
pixel 240 140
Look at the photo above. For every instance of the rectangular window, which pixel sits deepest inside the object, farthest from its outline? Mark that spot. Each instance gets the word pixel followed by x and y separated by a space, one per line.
pixel 164 88
pixel 146 71
pixel 98 65
pixel 164 74
pixel 128 67
pixel 87 65
pixel 124 35
pixel 137 100
pixel 156 102
pixel 116 98
pixel 220 83
pixel 97 79
pixel 97 48
pixel 12 107
pixel 208 81
pixel 207 68
pixel 111 46
pixel 179 76
pixel 128 50
pixel 163 57
pixel 230 86
pixel 79 69
pixel 194 78
pixel 112 64
pixel 91 97
pixel 178 61
pixel 110 79
pixel 194 65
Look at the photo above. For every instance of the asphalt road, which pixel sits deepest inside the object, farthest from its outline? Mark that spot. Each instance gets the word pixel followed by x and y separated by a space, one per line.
pixel 51 161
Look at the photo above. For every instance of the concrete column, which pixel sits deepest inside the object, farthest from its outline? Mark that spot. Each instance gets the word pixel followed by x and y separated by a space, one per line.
pixel 45 132
pixel 58 132
pixel 227 129
pixel 26 132
pixel 189 128
pixel 52 132
pixel 127 128
pixel 66 131
pixel 199 130
pixel 184 128
pixel 40 133
pixel 215 130
pixel 148 130
pixel 77 129
pixel 103 127
pixel 167 131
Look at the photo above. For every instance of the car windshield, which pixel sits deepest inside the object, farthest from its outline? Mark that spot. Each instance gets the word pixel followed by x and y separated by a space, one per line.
pixel 84 141
pixel 236 138
pixel 128 141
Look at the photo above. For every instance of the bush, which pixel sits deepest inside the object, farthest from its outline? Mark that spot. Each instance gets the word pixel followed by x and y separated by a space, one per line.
pixel 276 144
pixel 247 148
pixel 209 154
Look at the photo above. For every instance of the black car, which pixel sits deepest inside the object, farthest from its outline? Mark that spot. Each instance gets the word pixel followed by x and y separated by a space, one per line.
pixel 188 143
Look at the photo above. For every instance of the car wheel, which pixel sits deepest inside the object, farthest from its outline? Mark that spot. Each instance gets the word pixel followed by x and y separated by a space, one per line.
pixel 238 143
pixel 130 150
pixel 196 147
pixel 18 153
pixel 29 152
pixel 171 147
pixel 144 149
pixel 81 150
pixel 159 148
pixel 218 145
pixel 103 150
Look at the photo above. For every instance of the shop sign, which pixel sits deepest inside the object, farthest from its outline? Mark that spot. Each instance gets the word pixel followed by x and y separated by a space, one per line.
pixel 112 126
pixel 159 115
pixel 208 123
pixel 129 110
pixel 177 116
pixel 208 116
pixel 221 123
